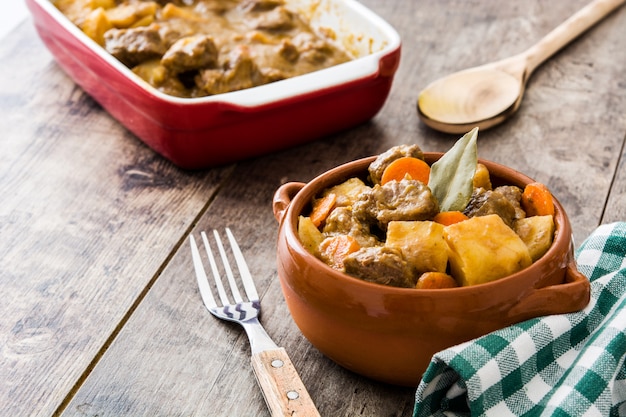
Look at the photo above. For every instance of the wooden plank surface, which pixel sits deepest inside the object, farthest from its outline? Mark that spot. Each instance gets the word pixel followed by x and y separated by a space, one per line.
pixel 88 217
pixel 204 364
pixel 224 373
pixel 100 312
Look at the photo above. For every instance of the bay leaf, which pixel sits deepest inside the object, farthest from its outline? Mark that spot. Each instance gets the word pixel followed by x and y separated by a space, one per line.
pixel 451 177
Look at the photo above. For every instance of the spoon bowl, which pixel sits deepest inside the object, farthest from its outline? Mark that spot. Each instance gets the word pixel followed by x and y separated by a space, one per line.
pixel 487 95
pixel 479 96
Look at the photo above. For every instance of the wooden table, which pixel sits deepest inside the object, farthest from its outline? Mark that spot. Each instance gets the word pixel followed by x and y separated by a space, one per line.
pixel 100 312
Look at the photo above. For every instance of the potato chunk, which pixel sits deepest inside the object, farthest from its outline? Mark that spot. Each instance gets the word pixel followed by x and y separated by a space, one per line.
pixel 537 233
pixel 95 24
pixel 483 249
pixel 309 235
pixel 348 191
pixel 152 71
pixel 421 244
pixel 481 177
pixel 127 15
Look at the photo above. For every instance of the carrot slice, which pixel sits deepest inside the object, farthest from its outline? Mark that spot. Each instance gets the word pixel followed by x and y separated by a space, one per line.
pixel 334 249
pixel 322 208
pixel 435 280
pixel 449 217
pixel 537 200
pixel 415 168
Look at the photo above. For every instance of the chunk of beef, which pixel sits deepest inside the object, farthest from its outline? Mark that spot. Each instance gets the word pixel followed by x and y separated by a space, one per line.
pixel 276 19
pixel 380 264
pixel 288 51
pixel 397 200
pixel 240 72
pixel 260 5
pixel 341 221
pixel 313 50
pixel 484 202
pixel 191 53
pixel 514 195
pixel 377 167
pixel 134 46
pixel 169 34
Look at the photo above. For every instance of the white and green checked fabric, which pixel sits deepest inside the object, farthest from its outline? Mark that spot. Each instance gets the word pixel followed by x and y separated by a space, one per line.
pixel 560 365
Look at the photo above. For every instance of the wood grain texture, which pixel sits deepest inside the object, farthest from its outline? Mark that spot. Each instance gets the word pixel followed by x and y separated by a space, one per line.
pixel 615 210
pixel 222 382
pixel 283 390
pixel 88 217
pixel 101 314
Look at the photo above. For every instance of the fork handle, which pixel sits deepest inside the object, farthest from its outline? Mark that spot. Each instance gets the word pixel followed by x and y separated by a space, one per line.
pixel 284 392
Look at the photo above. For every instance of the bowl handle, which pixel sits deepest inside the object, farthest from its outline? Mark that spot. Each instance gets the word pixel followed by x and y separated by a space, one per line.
pixel 570 296
pixel 283 197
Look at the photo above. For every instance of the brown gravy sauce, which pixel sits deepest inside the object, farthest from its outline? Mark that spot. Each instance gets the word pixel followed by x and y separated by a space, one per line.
pixel 196 48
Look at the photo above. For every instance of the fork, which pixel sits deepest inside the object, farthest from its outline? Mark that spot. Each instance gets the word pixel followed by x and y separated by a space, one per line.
pixel 283 390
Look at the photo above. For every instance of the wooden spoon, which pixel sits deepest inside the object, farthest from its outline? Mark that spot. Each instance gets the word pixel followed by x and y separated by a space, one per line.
pixel 487 95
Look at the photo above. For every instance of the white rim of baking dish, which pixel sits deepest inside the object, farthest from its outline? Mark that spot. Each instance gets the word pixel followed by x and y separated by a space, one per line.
pixel 358 68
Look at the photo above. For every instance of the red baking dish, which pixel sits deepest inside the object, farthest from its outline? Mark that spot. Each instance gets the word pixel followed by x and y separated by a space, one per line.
pixel 201 132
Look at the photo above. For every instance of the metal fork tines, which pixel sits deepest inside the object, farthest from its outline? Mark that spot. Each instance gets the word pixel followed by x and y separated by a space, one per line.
pixel 282 388
pixel 243 312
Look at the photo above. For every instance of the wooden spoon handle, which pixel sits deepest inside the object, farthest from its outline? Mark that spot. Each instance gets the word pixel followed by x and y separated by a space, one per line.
pixel 284 392
pixel 568 31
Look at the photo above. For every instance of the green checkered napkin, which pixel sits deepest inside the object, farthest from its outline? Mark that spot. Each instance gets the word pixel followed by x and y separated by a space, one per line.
pixel 560 365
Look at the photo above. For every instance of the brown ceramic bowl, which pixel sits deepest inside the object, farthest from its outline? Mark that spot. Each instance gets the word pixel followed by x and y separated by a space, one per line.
pixel 390 334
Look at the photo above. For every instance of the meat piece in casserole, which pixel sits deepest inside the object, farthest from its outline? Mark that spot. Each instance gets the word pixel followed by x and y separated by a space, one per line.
pixel 191 53
pixel 134 46
pixel 377 167
pixel 277 19
pixel 485 202
pixel 342 221
pixel 514 195
pixel 260 5
pixel 240 71
pixel 380 264
pixel 397 200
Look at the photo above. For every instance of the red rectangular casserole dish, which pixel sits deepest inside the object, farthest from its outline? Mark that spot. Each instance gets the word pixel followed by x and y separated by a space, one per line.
pixel 197 133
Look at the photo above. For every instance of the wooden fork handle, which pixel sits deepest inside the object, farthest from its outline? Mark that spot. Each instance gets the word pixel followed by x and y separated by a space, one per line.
pixel 284 392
